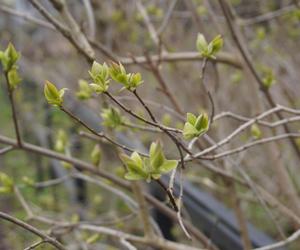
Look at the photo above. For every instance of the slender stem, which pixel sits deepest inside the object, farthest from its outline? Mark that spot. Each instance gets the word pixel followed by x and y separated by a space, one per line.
pixel 6 150
pixel 13 109
pixel 96 138
pixel 143 210
pixel 144 105
pixel 169 193
pixel 163 128
pixel 33 230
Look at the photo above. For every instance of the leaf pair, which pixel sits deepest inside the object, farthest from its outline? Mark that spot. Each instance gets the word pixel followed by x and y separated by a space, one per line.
pixel 142 168
pixel 195 126
pixel 53 95
pixel 209 50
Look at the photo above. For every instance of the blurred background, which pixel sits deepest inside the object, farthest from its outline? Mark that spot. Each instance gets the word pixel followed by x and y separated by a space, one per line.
pixel 158 39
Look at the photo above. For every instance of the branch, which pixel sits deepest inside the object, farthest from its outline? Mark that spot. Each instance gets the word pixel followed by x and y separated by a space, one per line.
pixel 33 230
pixel 13 110
pixel 283 243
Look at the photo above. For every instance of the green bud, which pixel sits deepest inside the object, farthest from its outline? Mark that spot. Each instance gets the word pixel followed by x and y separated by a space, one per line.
pixel 7 184
pixel 9 57
pixel 61 141
pixel 209 50
pixel 130 81
pixel 268 77
pixel 13 78
pixel 53 95
pixel 96 155
pixel 255 131
pixel 100 76
pixel 195 126
pixel 148 168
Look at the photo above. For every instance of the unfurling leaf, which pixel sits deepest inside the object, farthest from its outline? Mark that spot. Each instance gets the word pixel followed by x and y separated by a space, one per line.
pixel 142 168
pixel 130 81
pixel 9 57
pixel 195 126
pixel 53 95
pixel 201 43
pixel 209 50
pixel 100 76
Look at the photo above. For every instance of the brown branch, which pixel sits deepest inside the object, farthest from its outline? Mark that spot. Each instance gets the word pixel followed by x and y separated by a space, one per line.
pixel 33 230
pixel 62 29
pixel 6 150
pixel 13 110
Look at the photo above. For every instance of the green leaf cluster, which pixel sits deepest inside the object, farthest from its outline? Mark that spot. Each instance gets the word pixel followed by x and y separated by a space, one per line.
pixel 195 126
pixel 85 91
pixel 130 81
pixel 53 95
pixel 8 59
pixel 100 76
pixel 209 50
pixel 112 117
pixel 6 184
pixel 142 168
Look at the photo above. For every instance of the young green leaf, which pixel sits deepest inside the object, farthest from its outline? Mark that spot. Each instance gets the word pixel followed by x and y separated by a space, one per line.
pixel 209 50
pixel 148 168
pixel 201 43
pixel 195 126
pixel 130 81
pixel 53 95
pixel 217 44
pixel 96 155
pixel 9 57
pixel 100 76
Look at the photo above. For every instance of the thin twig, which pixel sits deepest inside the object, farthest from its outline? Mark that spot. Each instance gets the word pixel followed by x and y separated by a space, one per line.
pixel 6 150
pixel 33 230
pixel 13 110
